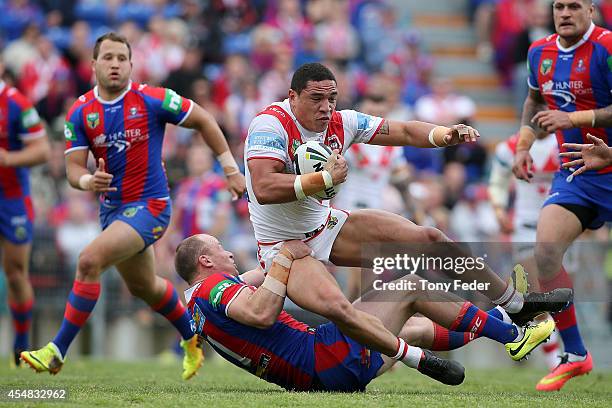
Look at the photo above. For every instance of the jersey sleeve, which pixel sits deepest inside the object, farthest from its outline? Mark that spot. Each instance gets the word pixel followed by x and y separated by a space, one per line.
pixel 75 136
pixel 29 124
pixel 169 106
pixel 532 74
pixel 266 139
pixel 220 291
pixel 606 64
pixel 361 127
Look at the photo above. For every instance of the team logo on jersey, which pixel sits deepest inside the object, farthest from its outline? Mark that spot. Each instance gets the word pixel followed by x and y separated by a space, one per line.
pixel 93 120
pixel 333 142
pixel 580 67
pixel 131 211
pixel 217 292
pixel 133 111
pixel 197 320
pixel 333 221
pixel 546 66
pixel 172 101
pixel 69 132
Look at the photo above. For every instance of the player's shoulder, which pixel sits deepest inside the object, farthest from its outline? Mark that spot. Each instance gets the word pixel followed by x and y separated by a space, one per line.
pixel 214 285
pixel 80 102
pixel 548 41
pixel 602 36
pixel 271 118
pixel 149 91
pixel 19 99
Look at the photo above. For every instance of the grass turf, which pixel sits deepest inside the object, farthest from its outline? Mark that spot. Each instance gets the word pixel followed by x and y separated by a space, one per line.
pixel 151 383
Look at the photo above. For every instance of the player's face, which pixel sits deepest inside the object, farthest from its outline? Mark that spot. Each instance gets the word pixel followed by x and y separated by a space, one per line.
pixel 222 259
pixel 572 19
pixel 314 106
pixel 113 66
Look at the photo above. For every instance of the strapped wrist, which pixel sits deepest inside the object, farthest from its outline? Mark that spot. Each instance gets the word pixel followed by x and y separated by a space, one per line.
pixel 527 135
pixel 228 163
pixel 85 181
pixel 583 118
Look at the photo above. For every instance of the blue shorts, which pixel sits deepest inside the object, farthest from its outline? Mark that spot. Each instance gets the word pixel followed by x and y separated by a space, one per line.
pixel 149 218
pixel 342 364
pixel 593 191
pixel 16 217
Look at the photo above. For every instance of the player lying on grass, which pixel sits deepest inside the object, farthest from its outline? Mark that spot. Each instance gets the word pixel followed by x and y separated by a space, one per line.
pixel 250 329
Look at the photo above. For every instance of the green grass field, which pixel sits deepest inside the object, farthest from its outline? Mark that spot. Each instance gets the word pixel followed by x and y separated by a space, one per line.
pixel 99 383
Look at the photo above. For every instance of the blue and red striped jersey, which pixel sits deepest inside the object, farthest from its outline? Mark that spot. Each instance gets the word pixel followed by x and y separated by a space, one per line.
pixel 19 122
pixel 282 354
pixel 127 133
pixel 574 78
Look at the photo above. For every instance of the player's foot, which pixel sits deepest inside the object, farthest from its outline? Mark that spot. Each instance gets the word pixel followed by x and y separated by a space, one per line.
pixel 532 337
pixel 520 279
pixel 538 303
pixel 194 356
pixel 47 358
pixel 564 371
pixel 448 372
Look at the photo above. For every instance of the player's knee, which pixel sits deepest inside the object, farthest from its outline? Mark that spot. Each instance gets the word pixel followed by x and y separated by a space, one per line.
pixel 547 259
pixel 16 275
pixel 140 289
pixel 431 234
pixel 89 265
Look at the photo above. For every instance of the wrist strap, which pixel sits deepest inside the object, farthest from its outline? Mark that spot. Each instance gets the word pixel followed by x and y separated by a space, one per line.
pixel 230 167
pixel 526 137
pixel 283 261
pixel 327 179
pixel 583 118
pixel 275 286
pixel 297 187
pixel 84 181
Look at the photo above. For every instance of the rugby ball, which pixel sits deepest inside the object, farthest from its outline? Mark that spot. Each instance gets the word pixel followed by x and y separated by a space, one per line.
pixel 311 157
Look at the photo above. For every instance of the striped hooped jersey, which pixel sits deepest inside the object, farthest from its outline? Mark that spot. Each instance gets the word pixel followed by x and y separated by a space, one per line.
pixel 282 354
pixel 573 79
pixel 127 133
pixel 19 122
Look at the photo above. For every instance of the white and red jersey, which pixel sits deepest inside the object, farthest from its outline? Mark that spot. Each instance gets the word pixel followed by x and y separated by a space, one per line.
pixel 530 196
pixel 275 134
pixel 370 168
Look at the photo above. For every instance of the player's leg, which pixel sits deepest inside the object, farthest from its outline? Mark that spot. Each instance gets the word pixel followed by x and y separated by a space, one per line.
pixel 138 272
pixel 15 261
pixel 558 227
pixel 116 243
pixel 375 226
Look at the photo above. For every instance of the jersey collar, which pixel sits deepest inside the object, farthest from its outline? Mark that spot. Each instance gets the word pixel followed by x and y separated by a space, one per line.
pixel 584 39
pixel 117 99
pixel 189 292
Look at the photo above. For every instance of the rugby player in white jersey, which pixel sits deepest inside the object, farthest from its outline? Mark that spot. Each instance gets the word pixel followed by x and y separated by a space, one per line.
pixel 282 206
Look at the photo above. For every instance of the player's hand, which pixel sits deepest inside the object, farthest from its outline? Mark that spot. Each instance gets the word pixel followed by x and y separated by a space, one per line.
pixel 593 156
pixel 297 249
pixel 101 180
pixel 504 221
pixel 552 120
pixel 523 165
pixel 236 184
pixel 4 158
pixel 460 134
pixel 337 167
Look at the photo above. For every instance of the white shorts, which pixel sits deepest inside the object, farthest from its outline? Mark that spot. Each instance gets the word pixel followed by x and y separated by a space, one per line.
pixel 321 242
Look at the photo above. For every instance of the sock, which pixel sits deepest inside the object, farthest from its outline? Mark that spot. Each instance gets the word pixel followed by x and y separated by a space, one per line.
pixel 566 319
pixel 444 339
pixel 81 301
pixel 22 320
pixel 172 309
pixel 473 320
pixel 511 300
pixel 409 355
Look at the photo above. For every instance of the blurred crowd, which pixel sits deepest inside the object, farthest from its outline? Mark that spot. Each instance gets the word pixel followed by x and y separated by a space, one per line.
pixel 234 57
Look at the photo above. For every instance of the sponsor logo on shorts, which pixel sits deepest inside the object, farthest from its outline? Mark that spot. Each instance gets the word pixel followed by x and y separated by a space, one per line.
pixel 131 211
pixel 21 233
pixel 158 232
pixel 19 220
pixel 333 221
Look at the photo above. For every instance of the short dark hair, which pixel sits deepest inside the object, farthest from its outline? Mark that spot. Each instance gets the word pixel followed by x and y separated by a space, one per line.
pixel 186 259
pixel 112 36
pixel 313 71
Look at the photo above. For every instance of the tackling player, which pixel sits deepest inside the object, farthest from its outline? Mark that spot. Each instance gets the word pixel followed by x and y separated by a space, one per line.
pixel 123 123
pixel 282 206
pixel 23 144
pixel 570 77
pixel 247 326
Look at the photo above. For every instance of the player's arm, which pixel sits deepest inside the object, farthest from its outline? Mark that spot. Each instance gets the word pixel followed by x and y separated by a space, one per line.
pixel 260 308
pixel 201 120
pixel 422 134
pixel 79 176
pixel 271 185
pixel 534 105
pixel 499 188
pixel 35 151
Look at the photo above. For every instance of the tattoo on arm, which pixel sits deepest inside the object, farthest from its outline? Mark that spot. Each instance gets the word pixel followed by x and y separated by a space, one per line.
pixel 384 128
pixel 603 117
pixel 533 104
